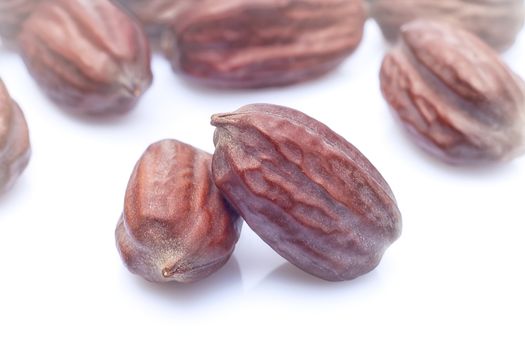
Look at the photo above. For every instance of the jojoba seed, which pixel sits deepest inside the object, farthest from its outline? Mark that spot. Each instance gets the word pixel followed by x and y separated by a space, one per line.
pixel 176 226
pixel 306 191
pixel 263 43
pixel 497 22
pixel 15 149
pixel 454 94
pixel 90 57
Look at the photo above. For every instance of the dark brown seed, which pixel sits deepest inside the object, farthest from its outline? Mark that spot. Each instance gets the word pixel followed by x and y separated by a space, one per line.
pixel 262 43
pixel 454 95
pixel 89 56
pixel 15 149
pixel 176 226
pixel 304 190
pixel 497 22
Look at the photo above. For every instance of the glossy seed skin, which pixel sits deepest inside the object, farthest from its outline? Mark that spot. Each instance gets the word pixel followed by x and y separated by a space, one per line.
pixel 263 43
pixel 15 148
pixel 497 22
pixel 89 57
pixel 176 226
pixel 13 13
pixel 306 191
pixel 454 95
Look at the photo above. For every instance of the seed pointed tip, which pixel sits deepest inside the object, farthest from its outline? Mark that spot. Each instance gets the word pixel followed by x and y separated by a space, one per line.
pixel 218 118
pixel 167 273
pixel 133 89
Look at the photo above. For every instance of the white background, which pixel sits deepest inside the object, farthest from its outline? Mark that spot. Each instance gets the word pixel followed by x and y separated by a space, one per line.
pixel 455 279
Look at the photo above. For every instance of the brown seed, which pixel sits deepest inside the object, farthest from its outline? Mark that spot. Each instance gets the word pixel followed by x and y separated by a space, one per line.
pixel 497 22
pixel 12 16
pixel 304 190
pixel 155 15
pixel 176 226
pixel 262 43
pixel 15 149
pixel 88 56
pixel 454 95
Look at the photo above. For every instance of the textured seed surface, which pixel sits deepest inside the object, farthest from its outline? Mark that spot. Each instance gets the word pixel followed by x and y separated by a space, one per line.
pixel 15 149
pixel 261 43
pixel 176 226
pixel 497 22
pixel 12 16
pixel 155 15
pixel 455 95
pixel 305 190
pixel 89 56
